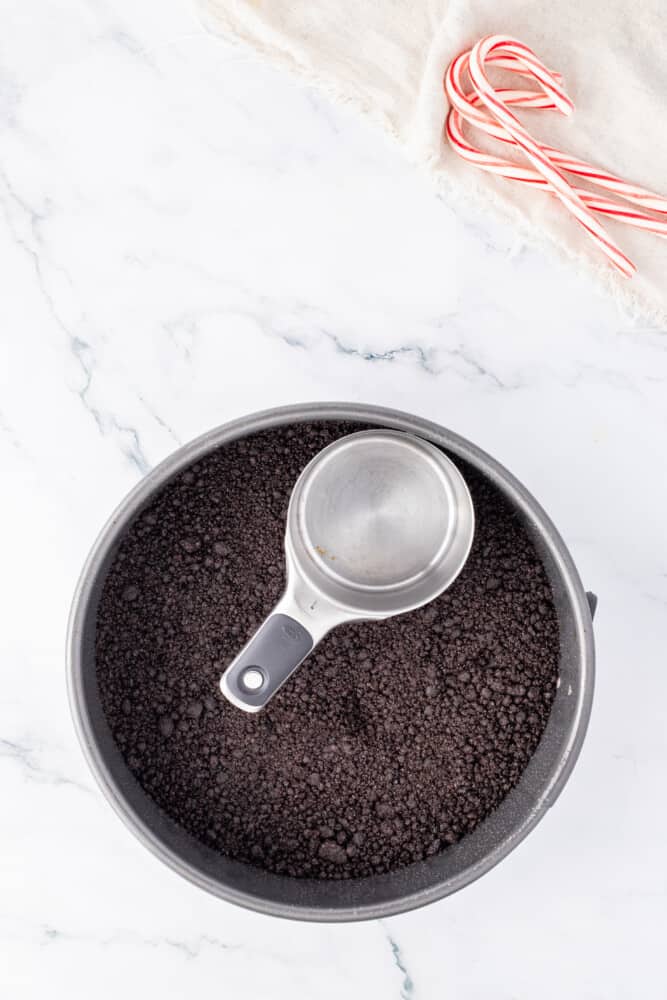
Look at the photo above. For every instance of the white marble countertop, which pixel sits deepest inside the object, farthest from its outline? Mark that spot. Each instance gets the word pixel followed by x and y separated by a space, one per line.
pixel 186 237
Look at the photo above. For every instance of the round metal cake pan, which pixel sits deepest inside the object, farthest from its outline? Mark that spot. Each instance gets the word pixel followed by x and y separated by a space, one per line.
pixel 376 896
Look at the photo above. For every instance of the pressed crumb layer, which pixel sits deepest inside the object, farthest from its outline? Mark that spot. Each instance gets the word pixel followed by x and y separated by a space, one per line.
pixel 391 742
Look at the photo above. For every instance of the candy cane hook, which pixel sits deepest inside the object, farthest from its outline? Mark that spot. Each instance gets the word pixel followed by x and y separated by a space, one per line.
pixel 488 108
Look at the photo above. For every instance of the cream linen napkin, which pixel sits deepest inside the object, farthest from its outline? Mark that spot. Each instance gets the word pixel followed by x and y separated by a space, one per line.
pixel 388 57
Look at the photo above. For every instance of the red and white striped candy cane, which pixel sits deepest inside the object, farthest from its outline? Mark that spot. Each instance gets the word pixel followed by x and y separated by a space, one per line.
pixel 487 108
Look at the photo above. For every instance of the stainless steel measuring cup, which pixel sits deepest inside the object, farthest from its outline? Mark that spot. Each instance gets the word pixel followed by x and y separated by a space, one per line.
pixel 380 522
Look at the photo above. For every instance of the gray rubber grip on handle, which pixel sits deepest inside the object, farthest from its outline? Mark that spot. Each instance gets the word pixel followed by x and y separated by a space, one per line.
pixel 275 652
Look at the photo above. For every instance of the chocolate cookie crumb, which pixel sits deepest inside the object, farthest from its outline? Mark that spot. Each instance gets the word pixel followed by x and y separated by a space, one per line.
pixel 390 743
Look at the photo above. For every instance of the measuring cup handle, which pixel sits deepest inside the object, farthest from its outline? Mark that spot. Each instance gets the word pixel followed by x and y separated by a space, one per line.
pixel 265 663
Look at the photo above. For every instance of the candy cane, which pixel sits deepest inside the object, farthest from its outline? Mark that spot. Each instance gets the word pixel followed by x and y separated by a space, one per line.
pixel 488 109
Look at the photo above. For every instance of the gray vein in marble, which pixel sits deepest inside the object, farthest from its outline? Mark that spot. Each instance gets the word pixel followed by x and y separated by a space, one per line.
pixel 293 341
pixel 422 356
pixel 182 332
pixel 52 935
pixel 120 36
pixel 452 321
pixel 479 369
pixel 130 442
pixel 8 431
pixel 628 759
pixel 118 33
pixel 190 950
pixel 655 598
pixel 10 98
pixel 160 421
pixel 407 985
pixel 80 349
pixel 594 374
pixel 259 309
pixel 132 449
pixel 649 336
pixel 194 948
pixel 34 217
pixel 323 108
pixel 508 244
pixel 184 36
pixel 27 756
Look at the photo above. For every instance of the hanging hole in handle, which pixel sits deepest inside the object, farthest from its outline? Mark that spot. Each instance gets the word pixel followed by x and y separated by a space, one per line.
pixel 252 680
